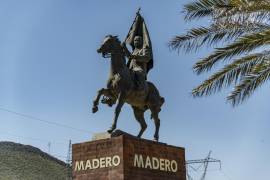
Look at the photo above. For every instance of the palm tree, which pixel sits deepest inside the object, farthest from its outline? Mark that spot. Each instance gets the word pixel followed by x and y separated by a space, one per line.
pixel 242 29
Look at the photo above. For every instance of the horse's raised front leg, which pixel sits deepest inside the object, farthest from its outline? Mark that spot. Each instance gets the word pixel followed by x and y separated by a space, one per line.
pixel 96 101
pixel 117 112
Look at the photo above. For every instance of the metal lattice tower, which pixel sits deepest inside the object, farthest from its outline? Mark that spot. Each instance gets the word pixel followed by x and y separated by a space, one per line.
pixel 204 163
pixel 69 161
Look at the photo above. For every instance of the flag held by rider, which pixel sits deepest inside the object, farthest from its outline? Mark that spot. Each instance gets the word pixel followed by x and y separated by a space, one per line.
pixel 138 28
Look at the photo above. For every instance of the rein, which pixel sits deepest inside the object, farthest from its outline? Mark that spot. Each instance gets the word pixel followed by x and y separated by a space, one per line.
pixel 109 55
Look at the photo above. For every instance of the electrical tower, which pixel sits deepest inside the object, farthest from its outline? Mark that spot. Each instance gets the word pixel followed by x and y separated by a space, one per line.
pixel 69 161
pixel 202 162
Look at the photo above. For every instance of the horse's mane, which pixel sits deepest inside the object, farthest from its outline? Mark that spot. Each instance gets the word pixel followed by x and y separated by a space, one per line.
pixel 114 37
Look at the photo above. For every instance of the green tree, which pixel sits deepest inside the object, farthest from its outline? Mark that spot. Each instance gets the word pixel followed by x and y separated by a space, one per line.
pixel 242 29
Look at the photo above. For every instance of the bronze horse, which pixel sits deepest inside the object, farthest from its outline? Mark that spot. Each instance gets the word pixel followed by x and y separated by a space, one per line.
pixel 120 87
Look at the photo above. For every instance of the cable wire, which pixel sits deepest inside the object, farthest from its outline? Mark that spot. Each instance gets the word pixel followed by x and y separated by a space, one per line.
pixel 44 121
pixel 33 138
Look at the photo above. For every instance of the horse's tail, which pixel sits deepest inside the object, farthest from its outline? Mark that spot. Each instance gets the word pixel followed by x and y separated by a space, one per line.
pixel 162 100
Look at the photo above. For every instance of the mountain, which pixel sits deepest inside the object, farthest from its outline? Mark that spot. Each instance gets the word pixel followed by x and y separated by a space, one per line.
pixel 24 162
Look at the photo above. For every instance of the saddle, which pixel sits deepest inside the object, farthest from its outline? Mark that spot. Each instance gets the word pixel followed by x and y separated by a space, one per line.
pixel 140 86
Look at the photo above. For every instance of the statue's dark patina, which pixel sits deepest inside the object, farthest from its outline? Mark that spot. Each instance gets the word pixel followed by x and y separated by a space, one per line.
pixel 127 84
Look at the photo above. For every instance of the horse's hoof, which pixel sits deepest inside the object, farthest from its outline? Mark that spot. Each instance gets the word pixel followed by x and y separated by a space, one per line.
pixel 111 129
pixel 94 109
pixel 156 139
pixel 140 135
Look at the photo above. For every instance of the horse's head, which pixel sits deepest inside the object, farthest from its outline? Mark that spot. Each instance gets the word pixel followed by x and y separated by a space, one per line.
pixel 109 45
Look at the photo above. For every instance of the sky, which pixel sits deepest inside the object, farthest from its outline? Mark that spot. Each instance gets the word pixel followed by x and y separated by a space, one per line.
pixel 50 72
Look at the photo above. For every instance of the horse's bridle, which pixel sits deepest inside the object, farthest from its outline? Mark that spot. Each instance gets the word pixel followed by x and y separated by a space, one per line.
pixel 106 55
pixel 109 55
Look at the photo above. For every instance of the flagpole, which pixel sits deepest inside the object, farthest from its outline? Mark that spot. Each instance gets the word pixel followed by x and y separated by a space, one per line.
pixel 137 13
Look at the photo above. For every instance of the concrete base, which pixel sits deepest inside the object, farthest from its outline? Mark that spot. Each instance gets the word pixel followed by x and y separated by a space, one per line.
pixel 99 136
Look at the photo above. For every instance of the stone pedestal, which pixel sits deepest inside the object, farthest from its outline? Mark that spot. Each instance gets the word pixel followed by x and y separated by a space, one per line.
pixel 127 158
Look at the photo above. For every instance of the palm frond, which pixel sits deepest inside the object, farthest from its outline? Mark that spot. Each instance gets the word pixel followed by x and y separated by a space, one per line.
pixel 243 44
pixel 202 8
pixel 197 37
pixel 252 5
pixel 231 73
pixel 244 10
pixel 244 26
pixel 228 10
pixel 242 17
pixel 250 83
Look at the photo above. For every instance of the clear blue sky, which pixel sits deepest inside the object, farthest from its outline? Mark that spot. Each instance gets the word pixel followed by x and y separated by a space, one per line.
pixel 49 69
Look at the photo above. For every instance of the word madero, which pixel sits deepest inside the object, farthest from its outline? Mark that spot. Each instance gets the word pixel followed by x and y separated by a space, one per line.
pixel 138 162
pixel 102 162
pixel 155 163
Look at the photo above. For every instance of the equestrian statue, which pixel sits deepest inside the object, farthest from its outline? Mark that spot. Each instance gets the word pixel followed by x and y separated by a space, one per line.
pixel 127 82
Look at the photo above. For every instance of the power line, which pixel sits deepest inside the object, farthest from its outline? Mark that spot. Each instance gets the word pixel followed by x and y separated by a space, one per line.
pixel 49 143
pixel 32 138
pixel 44 121
pixel 40 140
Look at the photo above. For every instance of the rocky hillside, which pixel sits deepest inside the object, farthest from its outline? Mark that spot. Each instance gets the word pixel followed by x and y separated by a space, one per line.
pixel 23 162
